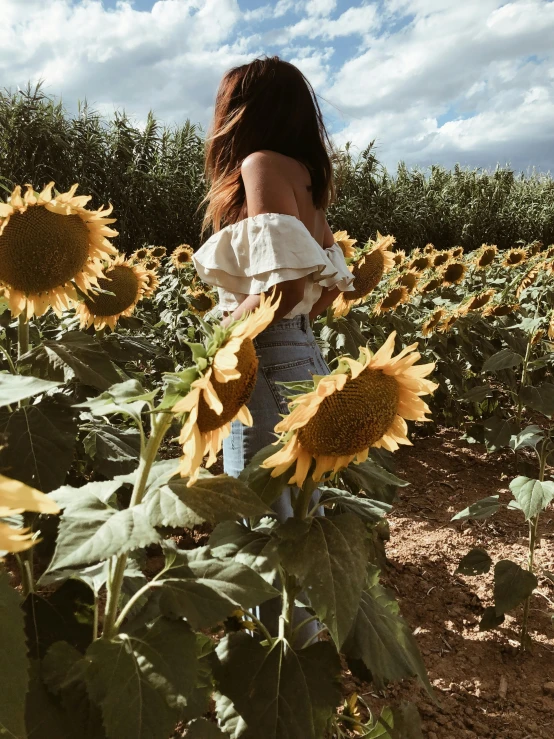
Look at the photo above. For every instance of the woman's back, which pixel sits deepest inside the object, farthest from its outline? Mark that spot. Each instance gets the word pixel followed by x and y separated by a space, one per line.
pixel 281 167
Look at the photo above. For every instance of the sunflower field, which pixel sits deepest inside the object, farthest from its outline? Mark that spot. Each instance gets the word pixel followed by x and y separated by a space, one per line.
pixel 134 573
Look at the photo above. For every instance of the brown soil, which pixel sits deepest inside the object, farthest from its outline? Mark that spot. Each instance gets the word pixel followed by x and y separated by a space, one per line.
pixel 485 686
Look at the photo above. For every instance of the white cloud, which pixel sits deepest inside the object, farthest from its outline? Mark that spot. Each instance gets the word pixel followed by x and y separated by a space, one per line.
pixel 431 80
pixel 478 58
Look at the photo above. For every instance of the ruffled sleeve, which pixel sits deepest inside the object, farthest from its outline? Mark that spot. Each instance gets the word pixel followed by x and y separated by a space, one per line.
pixel 251 256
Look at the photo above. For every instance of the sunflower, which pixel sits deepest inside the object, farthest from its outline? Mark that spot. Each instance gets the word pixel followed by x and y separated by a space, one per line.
pixel 16 497
pixel 200 302
pixel 447 323
pixel 475 302
pixel 140 254
pixel 429 249
pixel 362 404
pixel 374 262
pixel 420 263
pixel 151 263
pixel 49 245
pixel 499 308
pixel 549 253
pixel 529 278
pixel 433 321
pixel 127 281
pixel 345 243
pixel 551 327
pixel 393 299
pixel 457 251
pixel 409 279
pixel 399 257
pixel 152 282
pixel 485 256
pixel 157 251
pixel 441 258
pixel 514 258
pixel 227 376
pixel 431 285
pixel 453 273
pixel 182 256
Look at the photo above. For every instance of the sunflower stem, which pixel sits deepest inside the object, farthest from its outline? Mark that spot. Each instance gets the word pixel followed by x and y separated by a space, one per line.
pixel 9 360
pixel 22 334
pixel 25 562
pixel 160 424
pixel 304 498
pixel 533 530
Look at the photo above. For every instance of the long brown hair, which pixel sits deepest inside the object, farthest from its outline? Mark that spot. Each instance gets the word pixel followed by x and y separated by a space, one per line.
pixel 266 104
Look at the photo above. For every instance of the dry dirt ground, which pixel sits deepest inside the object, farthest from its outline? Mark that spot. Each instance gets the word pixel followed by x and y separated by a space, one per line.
pixel 485 686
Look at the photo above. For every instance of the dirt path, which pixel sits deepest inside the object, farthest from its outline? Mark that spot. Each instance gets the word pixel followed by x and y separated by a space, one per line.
pixel 486 688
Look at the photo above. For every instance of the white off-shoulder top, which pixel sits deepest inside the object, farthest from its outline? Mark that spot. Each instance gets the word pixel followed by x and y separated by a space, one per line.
pixel 249 257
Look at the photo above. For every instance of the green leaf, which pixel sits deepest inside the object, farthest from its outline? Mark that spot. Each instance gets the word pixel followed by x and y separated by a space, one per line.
pixel 160 472
pixel 40 444
pixel 165 508
pixel 14 388
pixel 483 508
pixel 127 397
pixel 532 495
pixel 259 479
pixel 63 672
pixel 149 675
pixel 383 640
pixel 490 619
pixel 75 354
pixel 14 666
pixel 199 700
pixel 91 531
pixel 539 398
pixel 104 490
pixel 275 693
pixel 498 432
pixel 255 548
pixel 375 481
pixel 205 590
pixel 504 359
pixel 329 557
pixel 529 437
pixel 114 451
pixel 219 498
pixel 43 716
pixel 475 562
pixel 368 510
pixel 66 615
pixel 203 729
pixel 477 394
pixel 512 585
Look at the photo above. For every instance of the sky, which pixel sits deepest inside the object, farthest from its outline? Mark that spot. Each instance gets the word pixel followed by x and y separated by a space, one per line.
pixel 431 81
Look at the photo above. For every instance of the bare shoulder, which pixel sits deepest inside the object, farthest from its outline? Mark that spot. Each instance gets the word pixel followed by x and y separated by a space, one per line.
pixel 268 183
pixel 266 159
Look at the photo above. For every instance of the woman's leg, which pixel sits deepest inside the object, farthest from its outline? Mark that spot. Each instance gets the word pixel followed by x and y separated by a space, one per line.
pixel 287 352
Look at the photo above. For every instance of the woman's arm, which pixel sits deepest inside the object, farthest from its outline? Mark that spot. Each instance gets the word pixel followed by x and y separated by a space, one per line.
pixel 291 292
pixel 325 299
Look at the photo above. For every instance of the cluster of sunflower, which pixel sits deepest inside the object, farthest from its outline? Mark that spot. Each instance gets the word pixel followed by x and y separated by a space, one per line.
pixel 55 253
pixel 430 272
pixel 363 403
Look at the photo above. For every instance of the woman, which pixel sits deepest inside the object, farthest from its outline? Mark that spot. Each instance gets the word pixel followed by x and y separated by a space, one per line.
pixel 271 180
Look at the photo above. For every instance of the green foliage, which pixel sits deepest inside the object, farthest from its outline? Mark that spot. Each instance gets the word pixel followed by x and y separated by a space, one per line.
pixel 151 172
pixel 275 691
pixel 14 676
pixel 148 173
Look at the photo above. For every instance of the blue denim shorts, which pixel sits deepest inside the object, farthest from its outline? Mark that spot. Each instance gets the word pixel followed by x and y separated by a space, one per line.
pixel 287 352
